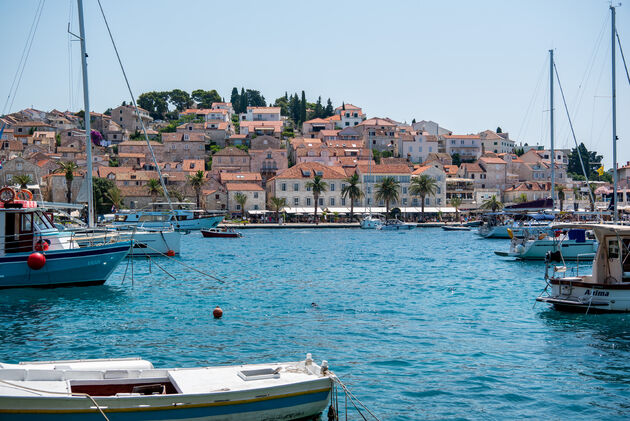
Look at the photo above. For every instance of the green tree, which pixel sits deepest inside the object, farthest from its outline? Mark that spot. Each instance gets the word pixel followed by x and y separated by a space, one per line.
pixel 115 197
pixel 181 100
pixel 457 160
pixel 242 103
pixel 22 180
pixel 283 103
pixel 560 190
pixel 204 99
pixel 317 186
pixel 423 186
pixel 277 204
pixel 156 103
pixel 387 190
pixel 492 204
pixel 235 100
pixel 100 186
pixel 591 197
pixel 456 202
pixel 591 161
pixel 303 108
pixel 318 111
pixel 196 181
pixel 68 169
pixel 154 188
pixel 329 110
pixel 352 191
pixel 241 199
pixel 499 130
pixel 522 198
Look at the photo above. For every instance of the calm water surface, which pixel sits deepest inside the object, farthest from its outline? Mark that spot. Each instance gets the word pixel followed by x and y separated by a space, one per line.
pixel 424 324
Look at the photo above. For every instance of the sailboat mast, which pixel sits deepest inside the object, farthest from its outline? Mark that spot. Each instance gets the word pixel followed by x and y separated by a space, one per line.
pixel 86 116
pixel 614 111
pixel 553 153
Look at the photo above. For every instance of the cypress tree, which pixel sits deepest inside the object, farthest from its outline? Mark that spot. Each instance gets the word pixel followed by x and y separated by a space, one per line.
pixel 234 99
pixel 329 109
pixel 244 101
pixel 303 108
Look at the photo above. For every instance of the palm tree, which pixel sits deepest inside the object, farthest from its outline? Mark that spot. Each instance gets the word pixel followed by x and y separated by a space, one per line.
pixel 591 197
pixel 197 181
pixel 353 191
pixel 456 202
pixel 241 199
pixel 318 186
pixel 492 204
pixel 387 190
pixel 560 190
pixel 68 169
pixel 115 197
pixel 178 195
pixel 521 199
pixel 277 204
pixel 154 187
pixel 22 180
pixel 423 186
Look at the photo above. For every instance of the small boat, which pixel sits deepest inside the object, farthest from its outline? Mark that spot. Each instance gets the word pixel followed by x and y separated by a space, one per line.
pixel 455 228
pixel 146 241
pixel 395 225
pixel 132 389
pixel 473 223
pixel 221 233
pixel 517 224
pixel 371 222
pixel 572 244
pixel 34 253
pixel 607 289
pixel 183 217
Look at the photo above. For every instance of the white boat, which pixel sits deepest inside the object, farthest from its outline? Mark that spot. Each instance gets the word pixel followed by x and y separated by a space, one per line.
pixel 34 253
pixel 146 241
pixel 132 389
pixel 183 217
pixel 573 244
pixel 518 225
pixel 607 289
pixel 371 222
pixel 395 225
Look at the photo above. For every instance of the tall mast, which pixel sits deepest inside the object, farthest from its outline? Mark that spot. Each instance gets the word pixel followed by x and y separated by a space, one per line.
pixel 86 116
pixel 553 153
pixel 614 110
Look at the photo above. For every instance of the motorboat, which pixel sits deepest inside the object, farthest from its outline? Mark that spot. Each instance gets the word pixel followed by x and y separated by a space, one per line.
pixel 371 222
pixel 505 225
pixel 182 217
pixel 146 241
pixel 573 244
pixel 455 228
pixel 35 253
pixel 606 289
pixel 132 389
pixel 221 233
pixel 395 225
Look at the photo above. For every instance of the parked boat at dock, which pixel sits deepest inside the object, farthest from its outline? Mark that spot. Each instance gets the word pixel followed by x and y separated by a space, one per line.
pixel 395 225
pixel 508 225
pixel 371 222
pixel 146 241
pixel 34 253
pixel 221 233
pixel 132 389
pixel 607 289
pixel 573 244
pixel 183 217
pixel 455 228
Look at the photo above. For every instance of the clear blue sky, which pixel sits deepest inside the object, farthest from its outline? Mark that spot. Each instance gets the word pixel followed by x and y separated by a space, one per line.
pixel 469 65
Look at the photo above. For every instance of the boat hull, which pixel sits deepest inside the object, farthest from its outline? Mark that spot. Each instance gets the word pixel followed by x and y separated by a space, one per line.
pixel 155 243
pixel 570 250
pixel 70 267
pixel 370 224
pixel 215 234
pixel 179 225
pixel 576 296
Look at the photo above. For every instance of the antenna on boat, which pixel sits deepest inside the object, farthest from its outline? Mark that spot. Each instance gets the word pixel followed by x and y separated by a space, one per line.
pixel 552 152
pixel 614 111
pixel 86 116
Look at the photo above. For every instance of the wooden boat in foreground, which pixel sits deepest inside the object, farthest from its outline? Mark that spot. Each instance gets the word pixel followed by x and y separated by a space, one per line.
pixel 221 233
pixel 132 389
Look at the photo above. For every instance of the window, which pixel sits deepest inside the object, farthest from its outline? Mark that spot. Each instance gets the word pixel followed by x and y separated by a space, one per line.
pixel 296 187
pixel 255 195
pixel 332 201
pixel 427 201
pixel 332 186
pixel 255 207
pixel 404 190
pixel 120 120
pixel 308 201
pixel 186 136
pixel 216 196
pixel 296 201
pixel 321 201
pixel 238 206
pixel 283 186
pixel 347 123
pixel 343 186
pixel 268 155
pixel 343 202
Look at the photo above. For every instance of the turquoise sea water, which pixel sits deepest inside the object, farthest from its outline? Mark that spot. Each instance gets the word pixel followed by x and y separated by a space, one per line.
pixel 425 324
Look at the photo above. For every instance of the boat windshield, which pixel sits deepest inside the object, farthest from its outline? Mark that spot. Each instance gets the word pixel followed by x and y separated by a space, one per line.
pixel 161 217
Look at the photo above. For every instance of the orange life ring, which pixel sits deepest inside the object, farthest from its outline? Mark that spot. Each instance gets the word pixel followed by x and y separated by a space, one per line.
pixel 7 194
pixel 25 195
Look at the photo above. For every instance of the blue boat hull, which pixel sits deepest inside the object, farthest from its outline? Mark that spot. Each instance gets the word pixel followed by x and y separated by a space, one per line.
pixel 83 266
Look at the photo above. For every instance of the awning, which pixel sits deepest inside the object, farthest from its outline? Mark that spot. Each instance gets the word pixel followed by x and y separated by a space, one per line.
pixel 258 211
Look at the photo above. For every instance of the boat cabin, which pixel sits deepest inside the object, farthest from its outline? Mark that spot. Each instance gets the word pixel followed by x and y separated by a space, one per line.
pixel 22 226
pixel 612 261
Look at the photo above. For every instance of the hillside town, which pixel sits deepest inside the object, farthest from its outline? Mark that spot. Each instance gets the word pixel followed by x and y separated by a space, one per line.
pixel 252 162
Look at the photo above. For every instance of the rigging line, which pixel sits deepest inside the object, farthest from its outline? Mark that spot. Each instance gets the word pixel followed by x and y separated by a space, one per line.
pixel 532 100
pixel 572 131
pixel 70 75
pixel 622 56
pixel 31 32
pixel 133 99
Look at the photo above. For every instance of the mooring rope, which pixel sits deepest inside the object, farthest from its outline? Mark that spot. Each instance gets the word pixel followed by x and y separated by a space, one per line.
pixel 17 386
pixel 352 397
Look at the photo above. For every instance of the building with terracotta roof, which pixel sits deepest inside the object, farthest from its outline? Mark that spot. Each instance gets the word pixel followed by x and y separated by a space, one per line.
pixel 260 128
pixel 370 175
pixel 268 157
pixel 180 146
pixel 261 114
pixel 379 134
pixel 435 171
pixel 496 142
pixel 349 115
pixel 255 194
pixel 290 184
pixel 125 116
pixel 312 128
pixel 431 127
pixel 468 147
pixel 231 159
pixel 531 190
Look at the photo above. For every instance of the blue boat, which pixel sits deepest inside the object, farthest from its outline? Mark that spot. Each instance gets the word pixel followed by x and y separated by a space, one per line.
pixel 34 253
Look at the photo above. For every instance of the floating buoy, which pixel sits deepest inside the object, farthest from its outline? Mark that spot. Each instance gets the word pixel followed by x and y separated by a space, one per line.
pixel 36 261
pixel 217 312
pixel 170 253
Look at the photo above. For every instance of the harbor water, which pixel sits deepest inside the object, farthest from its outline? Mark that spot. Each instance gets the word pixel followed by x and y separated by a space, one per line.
pixel 424 324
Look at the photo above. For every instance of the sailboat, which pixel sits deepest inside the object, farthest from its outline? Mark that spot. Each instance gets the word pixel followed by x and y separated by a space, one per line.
pixel 607 288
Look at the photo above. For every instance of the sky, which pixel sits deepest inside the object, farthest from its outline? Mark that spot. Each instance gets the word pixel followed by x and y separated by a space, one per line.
pixel 469 65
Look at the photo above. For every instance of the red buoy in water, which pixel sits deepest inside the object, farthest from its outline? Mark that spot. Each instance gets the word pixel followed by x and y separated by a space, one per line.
pixel 170 253
pixel 217 312
pixel 36 261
